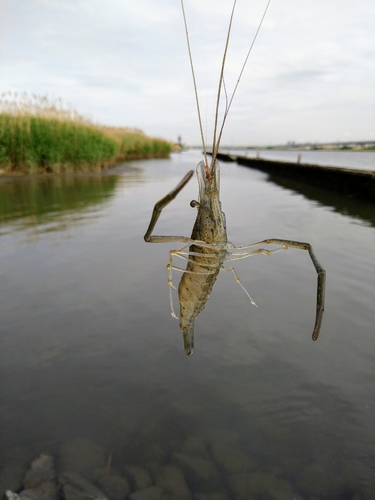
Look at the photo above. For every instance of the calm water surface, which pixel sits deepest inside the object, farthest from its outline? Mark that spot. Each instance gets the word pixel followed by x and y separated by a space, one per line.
pixel 89 350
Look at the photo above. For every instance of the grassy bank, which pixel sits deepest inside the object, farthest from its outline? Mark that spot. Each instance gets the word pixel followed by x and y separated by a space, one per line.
pixel 37 135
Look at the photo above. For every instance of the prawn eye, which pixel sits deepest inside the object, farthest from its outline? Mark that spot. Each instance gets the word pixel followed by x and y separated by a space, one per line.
pixel 194 204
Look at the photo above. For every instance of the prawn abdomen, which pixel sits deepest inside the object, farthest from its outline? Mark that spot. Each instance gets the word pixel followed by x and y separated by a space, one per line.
pixel 193 292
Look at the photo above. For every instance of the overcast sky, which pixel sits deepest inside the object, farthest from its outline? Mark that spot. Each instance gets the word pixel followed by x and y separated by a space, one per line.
pixel 310 77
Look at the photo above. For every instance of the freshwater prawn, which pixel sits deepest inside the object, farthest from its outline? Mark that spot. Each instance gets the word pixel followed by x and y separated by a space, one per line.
pixel 208 248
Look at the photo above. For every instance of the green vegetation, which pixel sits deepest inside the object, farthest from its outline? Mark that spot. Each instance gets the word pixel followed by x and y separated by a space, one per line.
pixel 134 144
pixel 37 135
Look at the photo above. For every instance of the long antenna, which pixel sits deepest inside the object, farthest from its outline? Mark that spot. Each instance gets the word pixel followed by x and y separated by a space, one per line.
pixel 195 84
pixel 216 143
pixel 216 146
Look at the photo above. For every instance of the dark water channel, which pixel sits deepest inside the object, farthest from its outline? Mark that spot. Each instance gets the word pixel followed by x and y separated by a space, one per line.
pixel 91 359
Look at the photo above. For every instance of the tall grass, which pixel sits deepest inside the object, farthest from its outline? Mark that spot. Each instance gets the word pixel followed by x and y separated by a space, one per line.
pixel 40 135
pixel 135 144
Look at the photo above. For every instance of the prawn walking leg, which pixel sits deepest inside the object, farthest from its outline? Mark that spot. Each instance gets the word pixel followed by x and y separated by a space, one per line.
pixel 158 208
pixel 285 244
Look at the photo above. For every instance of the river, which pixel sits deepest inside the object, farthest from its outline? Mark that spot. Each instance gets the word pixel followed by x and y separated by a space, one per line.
pixel 90 353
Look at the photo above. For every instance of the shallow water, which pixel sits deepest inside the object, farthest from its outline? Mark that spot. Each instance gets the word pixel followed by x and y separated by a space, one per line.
pixel 89 350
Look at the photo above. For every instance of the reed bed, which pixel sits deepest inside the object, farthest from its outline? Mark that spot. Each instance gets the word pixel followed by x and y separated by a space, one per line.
pixel 39 135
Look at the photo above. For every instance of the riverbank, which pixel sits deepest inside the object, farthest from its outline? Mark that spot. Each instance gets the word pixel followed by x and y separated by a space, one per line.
pixel 38 136
pixel 30 144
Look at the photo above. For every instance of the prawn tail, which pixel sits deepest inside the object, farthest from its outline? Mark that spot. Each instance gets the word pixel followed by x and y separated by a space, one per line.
pixel 188 335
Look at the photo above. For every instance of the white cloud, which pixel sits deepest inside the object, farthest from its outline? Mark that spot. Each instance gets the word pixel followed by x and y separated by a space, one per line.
pixel 310 76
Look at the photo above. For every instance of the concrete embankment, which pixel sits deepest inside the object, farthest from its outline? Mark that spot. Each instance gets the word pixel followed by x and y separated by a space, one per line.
pixel 356 183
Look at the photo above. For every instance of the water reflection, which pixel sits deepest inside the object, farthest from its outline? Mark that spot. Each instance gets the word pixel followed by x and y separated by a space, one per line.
pixel 52 201
pixel 345 205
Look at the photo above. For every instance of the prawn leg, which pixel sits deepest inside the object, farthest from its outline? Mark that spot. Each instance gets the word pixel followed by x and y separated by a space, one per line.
pixel 239 282
pixel 245 255
pixel 158 208
pixel 321 282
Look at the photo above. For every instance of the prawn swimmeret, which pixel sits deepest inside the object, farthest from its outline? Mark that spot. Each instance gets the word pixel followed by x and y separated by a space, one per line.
pixel 208 248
